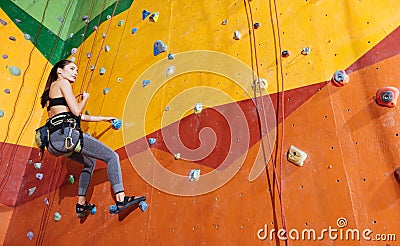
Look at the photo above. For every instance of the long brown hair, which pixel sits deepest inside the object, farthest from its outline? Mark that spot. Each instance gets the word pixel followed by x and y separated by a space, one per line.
pixel 53 76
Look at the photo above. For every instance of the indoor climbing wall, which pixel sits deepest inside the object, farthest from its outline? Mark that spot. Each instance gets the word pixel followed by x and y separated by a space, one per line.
pixel 208 96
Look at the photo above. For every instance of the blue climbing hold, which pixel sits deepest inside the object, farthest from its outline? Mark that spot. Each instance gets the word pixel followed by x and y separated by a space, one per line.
pixel 159 47
pixel 1 113
pixel 3 22
pixel 171 56
pixel 116 124
pixel 4 56
pixel 113 208
pixel 134 30
pixel 152 141
pixel 7 91
pixel 106 90
pixel 93 210
pixel 145 82
pixel 143 206
pixel 145 13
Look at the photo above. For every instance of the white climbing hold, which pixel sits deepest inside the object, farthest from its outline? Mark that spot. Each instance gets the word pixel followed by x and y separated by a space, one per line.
pixel 46 201
pixel 104 35
pixel 70 35
pixel 296 156
pixel 88 55
pixel 170 71
pixel 224 22
pixel 198 108
pixel 306 51
pixel 194 175
pixel 102 70
pixel 37 165
pixel 168 108
pixel 154 17
pixel 72 59
pixel 107 48
pixel 237 35
pixel 120 80
pixel 92 67
pixel 30 235
pixel 108 17
pixel 73 51
pixel 259 83
pixel 39 176
pixel 31 190
pixel 27 36
pixel 177 156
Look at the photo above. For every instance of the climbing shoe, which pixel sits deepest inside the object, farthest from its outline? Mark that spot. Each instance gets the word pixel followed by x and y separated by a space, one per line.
pixel 82 210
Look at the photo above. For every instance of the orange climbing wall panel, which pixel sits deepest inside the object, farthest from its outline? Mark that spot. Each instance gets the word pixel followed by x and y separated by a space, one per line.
pixel 350 141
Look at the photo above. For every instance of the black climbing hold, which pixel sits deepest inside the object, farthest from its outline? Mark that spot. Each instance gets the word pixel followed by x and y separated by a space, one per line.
pixel 256 25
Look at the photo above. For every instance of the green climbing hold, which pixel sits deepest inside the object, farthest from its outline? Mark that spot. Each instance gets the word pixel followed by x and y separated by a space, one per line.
pixel 120 23
pixel 15 71
pixel 71 179
pixel 57 216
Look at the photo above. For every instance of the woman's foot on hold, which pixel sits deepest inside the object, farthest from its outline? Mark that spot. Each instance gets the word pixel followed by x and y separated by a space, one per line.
pixel 128 201
pixel 82 210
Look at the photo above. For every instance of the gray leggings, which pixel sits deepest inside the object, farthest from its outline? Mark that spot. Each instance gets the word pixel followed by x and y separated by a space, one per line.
pixel 92 149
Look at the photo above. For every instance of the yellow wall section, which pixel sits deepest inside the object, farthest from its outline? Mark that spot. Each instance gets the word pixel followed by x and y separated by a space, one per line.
pixel 18 125
pixel 346 29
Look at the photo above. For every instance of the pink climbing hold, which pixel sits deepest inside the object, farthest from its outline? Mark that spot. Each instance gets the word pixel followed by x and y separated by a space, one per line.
pixel 3 22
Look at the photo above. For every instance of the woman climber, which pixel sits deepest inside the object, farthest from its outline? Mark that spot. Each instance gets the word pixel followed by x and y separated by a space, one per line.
pixel 66 138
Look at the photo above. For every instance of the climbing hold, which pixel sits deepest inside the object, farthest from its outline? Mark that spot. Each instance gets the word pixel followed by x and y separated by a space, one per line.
pixel 104 35
pixel 171 56
pixel 236 35
pixel 107 48
pixel 154 17
pixel 57 216
pixel 29 235
pixel 387 97
pixel 94 28
pixel 3 22
pixel 70 35
pixel 145 13
pixel 134 30
pixel 145 82
pixel 285 53
pixel 152 141
pixel 340 78
pixel 88 55
pixel 87 21
pixel 37 165
pixel 194 175
pixel 143 206
pixel 17 20
pixel 85 17
pixel 198 108
pixel 14 71
pixel 170 71
pixel 12 38
pixel 102 70
pixel 71 179
pixel 31 190
pixel 87 112
pixel 4 56
pixel 306 51
pixel 73 51
pixel 106 90
pixel 60 19
pixel 1 113
pixel 120 23
pixel 296 156
pixel 27 36
pixel 7 91
pixel 46 201
pixel 119 80
pixel 72 59
pixel 224 22
pixel 108 17
pixel 259 84
pixel 159 47
pixel 177 156
pixel 39 176
pixel 397 175
pixel 116 124
pixel 168 108
pixel 92 67
pixel 256 25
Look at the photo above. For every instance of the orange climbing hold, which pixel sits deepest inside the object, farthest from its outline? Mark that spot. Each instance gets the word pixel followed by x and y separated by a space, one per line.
pixel 340 78
pixel 387 96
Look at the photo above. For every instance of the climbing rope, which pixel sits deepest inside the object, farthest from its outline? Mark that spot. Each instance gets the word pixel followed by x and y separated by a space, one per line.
pixel 84 34
pixel 280 106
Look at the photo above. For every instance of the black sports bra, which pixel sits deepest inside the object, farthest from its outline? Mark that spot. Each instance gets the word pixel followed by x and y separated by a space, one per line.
pixel 57 101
